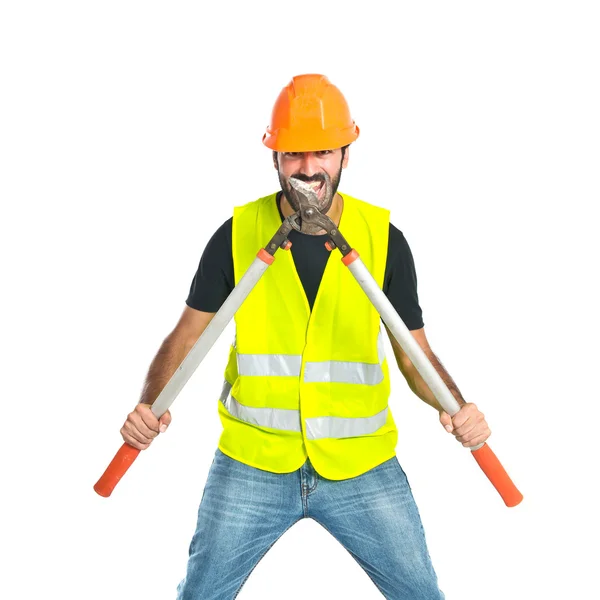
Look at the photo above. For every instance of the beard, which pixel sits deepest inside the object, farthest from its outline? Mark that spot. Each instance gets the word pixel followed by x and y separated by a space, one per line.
pixel 325 201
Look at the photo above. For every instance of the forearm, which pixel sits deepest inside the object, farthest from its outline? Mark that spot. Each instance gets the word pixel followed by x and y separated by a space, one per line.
pixel 421 389
pixel 168 358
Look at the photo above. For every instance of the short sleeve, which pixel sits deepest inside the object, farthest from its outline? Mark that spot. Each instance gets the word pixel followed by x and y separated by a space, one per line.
pixel 400 281
pixel 214 278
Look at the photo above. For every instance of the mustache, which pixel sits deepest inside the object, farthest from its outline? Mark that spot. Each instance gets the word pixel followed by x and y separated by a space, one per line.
pixel 313 179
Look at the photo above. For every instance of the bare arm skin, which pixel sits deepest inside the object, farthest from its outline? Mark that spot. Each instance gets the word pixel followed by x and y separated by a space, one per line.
pixel 413 377
pixel 468 425
pixel 173 350
pixel 141 426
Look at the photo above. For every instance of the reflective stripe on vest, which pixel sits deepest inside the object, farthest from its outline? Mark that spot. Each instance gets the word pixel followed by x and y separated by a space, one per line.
pixel 289 419
pixel 329 371
pixel 342 427
pixel 275 418
pixel 282 365
pixel 275 365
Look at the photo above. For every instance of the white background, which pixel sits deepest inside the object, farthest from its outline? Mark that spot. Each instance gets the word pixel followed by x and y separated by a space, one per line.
pixel 129 130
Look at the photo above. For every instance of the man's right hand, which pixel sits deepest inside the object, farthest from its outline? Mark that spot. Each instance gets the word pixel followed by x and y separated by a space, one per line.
pixel 141 426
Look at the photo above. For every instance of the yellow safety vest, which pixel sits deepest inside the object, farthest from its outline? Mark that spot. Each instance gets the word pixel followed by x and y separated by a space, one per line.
pixel 304 383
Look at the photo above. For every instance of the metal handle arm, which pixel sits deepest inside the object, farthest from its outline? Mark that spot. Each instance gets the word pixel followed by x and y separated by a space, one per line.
pixel 127 454
pixel 482 453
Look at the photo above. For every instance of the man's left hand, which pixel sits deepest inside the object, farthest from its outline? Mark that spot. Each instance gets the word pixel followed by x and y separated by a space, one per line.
pixel 468 425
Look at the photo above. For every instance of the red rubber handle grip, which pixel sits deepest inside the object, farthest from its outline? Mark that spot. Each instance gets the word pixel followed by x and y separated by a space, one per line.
pixel 118 467
pixel 495 472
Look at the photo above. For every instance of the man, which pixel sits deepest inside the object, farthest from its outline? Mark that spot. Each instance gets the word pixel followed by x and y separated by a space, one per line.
pixel 307 431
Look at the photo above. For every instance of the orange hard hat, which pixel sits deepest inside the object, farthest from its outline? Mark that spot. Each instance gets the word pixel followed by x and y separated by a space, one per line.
pixel 310 114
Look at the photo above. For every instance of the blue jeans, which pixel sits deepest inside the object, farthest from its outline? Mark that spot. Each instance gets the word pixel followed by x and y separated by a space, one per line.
pixel 245 510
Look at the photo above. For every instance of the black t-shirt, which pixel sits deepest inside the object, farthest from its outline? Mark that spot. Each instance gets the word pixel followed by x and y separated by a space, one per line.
pixel 214 278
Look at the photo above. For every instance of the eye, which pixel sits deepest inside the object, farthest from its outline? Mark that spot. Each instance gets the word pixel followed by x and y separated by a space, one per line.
pixel 324 152
pixel 292 154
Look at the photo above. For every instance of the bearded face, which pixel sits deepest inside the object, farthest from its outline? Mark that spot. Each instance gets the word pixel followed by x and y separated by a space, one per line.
pixel 320 169
pixel 324 187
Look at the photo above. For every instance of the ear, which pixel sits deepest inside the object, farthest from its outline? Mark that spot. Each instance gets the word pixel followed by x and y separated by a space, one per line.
pixel 275 162
pixel 345 159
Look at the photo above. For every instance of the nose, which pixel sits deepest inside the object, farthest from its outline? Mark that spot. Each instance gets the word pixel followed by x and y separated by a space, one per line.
pixel 309 164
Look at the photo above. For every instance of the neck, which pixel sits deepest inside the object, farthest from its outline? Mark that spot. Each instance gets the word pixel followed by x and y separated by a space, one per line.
pixel 334 212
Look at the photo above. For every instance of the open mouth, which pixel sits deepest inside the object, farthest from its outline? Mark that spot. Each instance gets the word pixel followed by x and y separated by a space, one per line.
pixel 318 187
